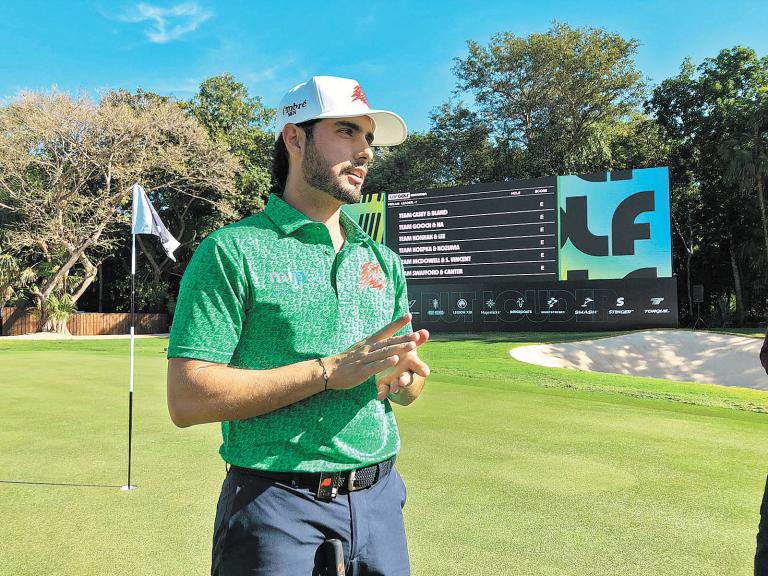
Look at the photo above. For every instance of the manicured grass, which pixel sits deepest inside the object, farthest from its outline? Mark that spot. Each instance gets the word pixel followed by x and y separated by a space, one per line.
pixel 511 469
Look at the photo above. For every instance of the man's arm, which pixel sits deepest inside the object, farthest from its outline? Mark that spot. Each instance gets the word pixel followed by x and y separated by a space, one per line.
pixel 201 392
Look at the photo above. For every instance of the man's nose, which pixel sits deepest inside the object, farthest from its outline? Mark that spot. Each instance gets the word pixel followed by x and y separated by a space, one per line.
pixel 366 153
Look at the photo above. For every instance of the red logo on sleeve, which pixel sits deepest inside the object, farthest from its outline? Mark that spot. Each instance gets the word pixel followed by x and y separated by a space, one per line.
pixel 372 276
pixel 358 94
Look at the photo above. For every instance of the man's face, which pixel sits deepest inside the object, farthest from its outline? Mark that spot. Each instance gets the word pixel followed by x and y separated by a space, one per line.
pixel 337 156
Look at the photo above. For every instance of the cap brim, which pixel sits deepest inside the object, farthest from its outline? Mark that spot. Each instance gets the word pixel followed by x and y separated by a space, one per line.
pixel 389 130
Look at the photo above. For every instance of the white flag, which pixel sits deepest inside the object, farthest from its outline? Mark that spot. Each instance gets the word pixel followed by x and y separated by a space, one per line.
pixel 147 221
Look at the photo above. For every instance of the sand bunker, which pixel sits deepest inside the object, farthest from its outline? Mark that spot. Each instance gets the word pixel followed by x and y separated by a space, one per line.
pixel 680 355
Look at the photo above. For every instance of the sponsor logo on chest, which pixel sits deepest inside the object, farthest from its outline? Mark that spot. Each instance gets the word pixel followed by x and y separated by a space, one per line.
pixel 372 276
pixel 294 278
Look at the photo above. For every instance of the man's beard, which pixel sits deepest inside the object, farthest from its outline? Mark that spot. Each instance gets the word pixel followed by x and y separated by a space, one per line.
pixel 320 176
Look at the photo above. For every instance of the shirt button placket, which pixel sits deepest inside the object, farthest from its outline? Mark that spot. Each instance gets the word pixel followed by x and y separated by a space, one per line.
pixel 329 260
pixel 347 292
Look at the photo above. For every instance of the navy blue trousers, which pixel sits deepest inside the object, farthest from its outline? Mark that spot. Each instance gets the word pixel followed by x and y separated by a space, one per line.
pixel 761 554
pixel 267 527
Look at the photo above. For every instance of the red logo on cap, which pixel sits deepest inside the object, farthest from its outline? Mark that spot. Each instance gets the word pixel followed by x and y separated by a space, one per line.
pixel 357 94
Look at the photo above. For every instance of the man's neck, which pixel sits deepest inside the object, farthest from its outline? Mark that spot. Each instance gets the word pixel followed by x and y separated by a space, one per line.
pixel 318 207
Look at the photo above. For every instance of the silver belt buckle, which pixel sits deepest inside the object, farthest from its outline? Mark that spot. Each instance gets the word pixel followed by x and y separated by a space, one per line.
pixel 351 480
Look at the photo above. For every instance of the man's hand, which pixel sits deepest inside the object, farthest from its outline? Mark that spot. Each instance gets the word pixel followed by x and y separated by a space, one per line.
pixel 407 371
pixel 371 356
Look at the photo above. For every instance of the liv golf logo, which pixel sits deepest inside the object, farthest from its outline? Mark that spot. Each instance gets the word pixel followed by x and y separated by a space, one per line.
pixel 615 225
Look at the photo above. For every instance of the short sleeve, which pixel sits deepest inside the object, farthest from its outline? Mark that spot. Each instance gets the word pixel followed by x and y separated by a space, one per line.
pixel 210 310
pixel 401 296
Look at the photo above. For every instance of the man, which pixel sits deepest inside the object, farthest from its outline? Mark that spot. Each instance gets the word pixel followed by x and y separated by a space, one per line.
pixel 292 330
pixel 761 553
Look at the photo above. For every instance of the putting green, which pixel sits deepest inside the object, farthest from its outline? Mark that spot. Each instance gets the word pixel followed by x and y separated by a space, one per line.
pixel 511 469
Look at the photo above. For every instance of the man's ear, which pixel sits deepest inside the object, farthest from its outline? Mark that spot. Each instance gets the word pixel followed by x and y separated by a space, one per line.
pixel 294 139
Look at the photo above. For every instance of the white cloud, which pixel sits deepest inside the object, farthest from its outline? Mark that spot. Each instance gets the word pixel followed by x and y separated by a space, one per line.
pixel 168 23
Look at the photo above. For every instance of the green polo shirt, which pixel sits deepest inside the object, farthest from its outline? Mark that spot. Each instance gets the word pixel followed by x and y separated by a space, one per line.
pixel 270 290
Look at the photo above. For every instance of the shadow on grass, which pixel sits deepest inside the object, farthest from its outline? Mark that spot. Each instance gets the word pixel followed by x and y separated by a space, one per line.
pixel 23 483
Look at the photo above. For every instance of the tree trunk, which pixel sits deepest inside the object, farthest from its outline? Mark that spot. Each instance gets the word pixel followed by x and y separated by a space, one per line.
pixel 91 272
pixel 156 268
pixel 737 287
pixel 101 287
pixel 761 202
pixel 45 322
pixel 689 257
pixel 57 326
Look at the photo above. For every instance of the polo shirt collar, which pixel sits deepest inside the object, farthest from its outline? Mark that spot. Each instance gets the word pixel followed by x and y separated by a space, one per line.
pixel 284 216
pixel 288 220
pixel 355 234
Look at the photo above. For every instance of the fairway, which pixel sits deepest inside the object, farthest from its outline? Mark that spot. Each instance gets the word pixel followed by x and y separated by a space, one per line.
pixel 511 469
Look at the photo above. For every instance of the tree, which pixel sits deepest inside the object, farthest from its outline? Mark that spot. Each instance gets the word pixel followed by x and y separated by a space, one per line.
pixel 563 101
pixel 455 151
pixel 715 118
pixel 241 122
pixel 638 143
pixel 465 153
pixel 13 279
pixel 554 96
pixel 191 206
pixel 66 169
pixel 744 152
pixel 413 165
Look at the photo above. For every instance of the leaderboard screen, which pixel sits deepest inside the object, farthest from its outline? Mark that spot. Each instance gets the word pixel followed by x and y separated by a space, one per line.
pixel 503 231
pixel 584 252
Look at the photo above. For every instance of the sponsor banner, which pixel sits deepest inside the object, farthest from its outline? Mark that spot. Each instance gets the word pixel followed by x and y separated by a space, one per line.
pixel 585 305
pixel 369 214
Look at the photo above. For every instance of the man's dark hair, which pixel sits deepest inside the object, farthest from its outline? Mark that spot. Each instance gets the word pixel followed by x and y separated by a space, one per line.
pixel 280 158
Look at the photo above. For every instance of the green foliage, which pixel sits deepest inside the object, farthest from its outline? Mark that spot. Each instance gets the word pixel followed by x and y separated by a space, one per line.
pixel 456 151
pixel 241 122
pixel 149 295
pixel 67 166
pixel 60 308
pixel 715 117
pixel 12 277
pixel 412 165
pixel 555 96
pixel 559 102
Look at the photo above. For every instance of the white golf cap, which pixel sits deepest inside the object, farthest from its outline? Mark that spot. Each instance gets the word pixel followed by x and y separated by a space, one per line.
pixel 332 97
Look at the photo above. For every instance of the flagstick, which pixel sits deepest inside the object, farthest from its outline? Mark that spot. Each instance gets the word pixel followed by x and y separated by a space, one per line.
pixel 130 393
pixel 144 220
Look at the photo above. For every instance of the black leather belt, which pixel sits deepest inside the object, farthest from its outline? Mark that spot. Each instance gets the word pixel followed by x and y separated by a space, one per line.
pixel 327 484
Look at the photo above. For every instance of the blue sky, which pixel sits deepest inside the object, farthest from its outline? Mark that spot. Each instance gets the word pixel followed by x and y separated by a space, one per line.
pixel 401 52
